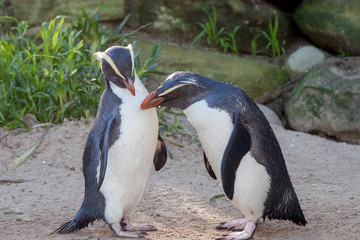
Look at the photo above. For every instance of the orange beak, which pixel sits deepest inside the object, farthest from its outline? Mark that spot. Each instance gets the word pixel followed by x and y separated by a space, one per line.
pixel 151 101
pixel 129 84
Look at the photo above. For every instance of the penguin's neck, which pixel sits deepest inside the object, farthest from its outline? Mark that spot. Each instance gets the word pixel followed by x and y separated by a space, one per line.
pixel 124 93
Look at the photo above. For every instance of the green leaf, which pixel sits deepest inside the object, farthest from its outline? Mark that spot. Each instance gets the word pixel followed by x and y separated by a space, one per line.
pixel 215 197
pixel 13 164
pixel 56 35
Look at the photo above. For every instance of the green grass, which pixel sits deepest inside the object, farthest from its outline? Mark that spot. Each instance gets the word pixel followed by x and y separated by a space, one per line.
pixel 253 48
pixel 209 30
pixel 342 54
pixel 229 42
pixel 54 75
pixel 149 66
pixel 223 39
pixel 213 198
pixel 272 39
pixel 169 130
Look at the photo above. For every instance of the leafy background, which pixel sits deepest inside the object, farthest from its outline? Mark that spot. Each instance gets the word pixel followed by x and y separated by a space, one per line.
pixel 54 74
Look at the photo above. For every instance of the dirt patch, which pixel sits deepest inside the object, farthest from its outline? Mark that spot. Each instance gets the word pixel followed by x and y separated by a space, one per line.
pixel 325 174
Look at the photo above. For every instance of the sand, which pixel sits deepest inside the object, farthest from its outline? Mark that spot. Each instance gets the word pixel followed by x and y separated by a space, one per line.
pixel 325 175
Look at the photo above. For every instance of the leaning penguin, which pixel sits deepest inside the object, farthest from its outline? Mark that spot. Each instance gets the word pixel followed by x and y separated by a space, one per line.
pixel 120 149
pixel 240 148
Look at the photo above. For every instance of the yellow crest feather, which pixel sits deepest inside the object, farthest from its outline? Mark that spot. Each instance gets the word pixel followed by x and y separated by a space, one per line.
pixel 103 55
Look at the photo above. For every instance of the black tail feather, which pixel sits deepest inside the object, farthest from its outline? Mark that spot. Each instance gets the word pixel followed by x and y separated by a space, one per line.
pixel 80 221
pixel 286 207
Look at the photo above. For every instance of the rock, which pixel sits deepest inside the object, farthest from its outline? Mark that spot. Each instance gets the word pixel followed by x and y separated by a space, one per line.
pixel 331 24
pixel 259 79
pixel 302 59
pixel 286 5
pixel 44 10
pixel 270 115
pixel 181 18
pixel 327 101
pixel 254 16
pixel 29 119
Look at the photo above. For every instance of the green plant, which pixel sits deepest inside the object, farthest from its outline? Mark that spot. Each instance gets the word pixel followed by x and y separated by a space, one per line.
pixel 54 75
pixel 213 198
pixel 271 37
pixel 209 30
pixel 4 11
pixel 169 129
pixel 342 54
pixel 223 39
pixel 254 49
pixel 230 41
pixel 15 163
pixel 149 66
pixel 97 36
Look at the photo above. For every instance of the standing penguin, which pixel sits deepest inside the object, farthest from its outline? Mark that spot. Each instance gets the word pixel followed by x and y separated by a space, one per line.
pixel 240 148
pixel 120 149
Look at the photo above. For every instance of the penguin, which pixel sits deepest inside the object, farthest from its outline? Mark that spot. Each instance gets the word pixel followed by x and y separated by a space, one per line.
pixel 240 148
pixel 120 149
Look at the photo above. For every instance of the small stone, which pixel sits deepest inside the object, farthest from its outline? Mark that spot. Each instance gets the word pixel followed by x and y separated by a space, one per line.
pixel 303 59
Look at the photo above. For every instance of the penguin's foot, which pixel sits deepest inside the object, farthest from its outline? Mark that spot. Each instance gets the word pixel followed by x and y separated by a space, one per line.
pixel 246 234
pixel 139 227
pixel 125 223
pixel 235 225
pixel 117 229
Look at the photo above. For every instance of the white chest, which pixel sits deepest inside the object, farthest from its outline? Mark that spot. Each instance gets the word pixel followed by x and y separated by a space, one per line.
pixel 131 156
pixel 252 183
pixel 138 128
pixel 214 127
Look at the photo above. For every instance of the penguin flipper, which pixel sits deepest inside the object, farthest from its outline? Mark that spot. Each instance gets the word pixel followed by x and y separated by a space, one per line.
pixel 160 154
pixel 208 167
pixel 105 149
pixel 238 146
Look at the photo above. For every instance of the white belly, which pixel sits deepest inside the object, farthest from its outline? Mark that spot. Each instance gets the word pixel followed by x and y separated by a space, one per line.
pixel 214 128
pixel 130 158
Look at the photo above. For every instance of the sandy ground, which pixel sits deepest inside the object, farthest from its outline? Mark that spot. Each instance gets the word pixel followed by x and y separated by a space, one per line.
pixel 325 174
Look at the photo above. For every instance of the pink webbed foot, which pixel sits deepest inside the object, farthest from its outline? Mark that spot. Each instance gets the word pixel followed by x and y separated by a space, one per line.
pixel 118 230
pixel 249 228
pixel 238 224
pixel 125 223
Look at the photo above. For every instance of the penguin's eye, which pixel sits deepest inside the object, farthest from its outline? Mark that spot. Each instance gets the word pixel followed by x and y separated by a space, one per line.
pixel 174 94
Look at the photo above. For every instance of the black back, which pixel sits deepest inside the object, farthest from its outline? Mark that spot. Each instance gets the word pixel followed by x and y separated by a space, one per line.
pixel 93 204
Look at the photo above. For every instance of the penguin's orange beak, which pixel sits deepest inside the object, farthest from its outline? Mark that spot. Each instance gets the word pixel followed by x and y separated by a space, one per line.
pixel 129 84
pixel 151 101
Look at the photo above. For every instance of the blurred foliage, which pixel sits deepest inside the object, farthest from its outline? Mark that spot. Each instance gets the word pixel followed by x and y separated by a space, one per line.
pixel 54 75
pixel 223 39
pixel 272 39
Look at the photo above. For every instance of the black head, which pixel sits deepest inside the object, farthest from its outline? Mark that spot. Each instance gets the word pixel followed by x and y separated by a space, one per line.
pixel 179 90
pixel 117 65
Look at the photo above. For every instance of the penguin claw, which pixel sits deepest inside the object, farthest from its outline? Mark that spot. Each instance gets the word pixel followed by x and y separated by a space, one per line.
pixel 246 234
pixel 220 226
pixel 235 225
pixel 126 225
pixel 235 236
pixel 139 227
pixel 126 234
pixel 117 229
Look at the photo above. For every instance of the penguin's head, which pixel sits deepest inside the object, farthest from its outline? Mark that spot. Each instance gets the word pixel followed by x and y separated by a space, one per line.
pixel 179 90
pixel 118 66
